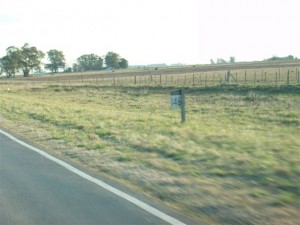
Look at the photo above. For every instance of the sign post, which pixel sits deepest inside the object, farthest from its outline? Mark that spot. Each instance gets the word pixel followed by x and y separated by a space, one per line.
pixel 178 101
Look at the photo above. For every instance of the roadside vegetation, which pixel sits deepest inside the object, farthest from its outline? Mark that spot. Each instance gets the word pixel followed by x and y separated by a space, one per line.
pixel 236 160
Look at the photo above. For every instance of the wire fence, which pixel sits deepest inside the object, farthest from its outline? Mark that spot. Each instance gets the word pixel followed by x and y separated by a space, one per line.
pixel 282 76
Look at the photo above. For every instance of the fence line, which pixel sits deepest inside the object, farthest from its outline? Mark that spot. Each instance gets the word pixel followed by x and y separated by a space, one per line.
pixel 290 76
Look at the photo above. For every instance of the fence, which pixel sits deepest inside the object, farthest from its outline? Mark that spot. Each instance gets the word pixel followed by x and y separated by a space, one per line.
pixel 287 76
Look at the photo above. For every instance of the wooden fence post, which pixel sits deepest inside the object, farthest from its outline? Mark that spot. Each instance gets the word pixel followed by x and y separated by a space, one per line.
pixel 182 107
pixel 288 77
pixel 265 77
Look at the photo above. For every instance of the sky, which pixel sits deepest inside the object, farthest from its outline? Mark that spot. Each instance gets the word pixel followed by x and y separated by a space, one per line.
pixel 154 31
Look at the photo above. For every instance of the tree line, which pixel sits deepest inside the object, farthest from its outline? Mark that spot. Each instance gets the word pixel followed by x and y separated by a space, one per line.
pixel 223 61
pixel 232 59
pixel 29 58
pixel 287 58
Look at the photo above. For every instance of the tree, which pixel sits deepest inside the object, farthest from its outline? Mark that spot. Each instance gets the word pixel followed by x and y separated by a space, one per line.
pixel 232 59
pixel 112 60
pixel 123 63
pixel 76 68
pixel 57 60
pixel 10 62
pixel 221 61
pixel 30 58
pixel 88 62
pixel 212 61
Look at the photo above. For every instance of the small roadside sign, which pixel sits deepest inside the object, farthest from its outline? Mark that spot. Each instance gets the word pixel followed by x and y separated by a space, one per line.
pixel 176 99
pixel 178 102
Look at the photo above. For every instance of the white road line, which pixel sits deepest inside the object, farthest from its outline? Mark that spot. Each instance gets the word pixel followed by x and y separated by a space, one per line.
pixel 100 183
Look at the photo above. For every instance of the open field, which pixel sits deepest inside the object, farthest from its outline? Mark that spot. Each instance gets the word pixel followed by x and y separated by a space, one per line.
pixel 235 161
pixel 255 73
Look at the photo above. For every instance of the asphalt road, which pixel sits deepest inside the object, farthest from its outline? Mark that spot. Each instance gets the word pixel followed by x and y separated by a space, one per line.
pixel 36 190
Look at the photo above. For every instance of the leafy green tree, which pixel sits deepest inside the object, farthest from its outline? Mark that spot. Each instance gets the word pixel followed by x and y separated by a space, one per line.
pixel 221 61
pixel 68 70
pixel 123 63
pixel 290 57
pixel 77 68
pixel 30 58
pixel 112 60
pixel 88 62
pixel 57 60
pixel 231 59
pixel 10 62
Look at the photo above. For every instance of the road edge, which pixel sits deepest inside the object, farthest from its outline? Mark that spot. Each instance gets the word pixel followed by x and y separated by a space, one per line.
pixel 98 182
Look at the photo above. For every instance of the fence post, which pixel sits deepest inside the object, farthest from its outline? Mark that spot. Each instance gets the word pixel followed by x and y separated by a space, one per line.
pixel 276 79
pixel 298 77
pixel 134 79
pixel 245 77
pixel 265 77
pixel 279 75
pixel 160 79
pixel 255 78
pixel 182 106
pixel 288 77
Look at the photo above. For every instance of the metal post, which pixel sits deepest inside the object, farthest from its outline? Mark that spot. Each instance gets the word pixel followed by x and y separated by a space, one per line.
pixel 182 106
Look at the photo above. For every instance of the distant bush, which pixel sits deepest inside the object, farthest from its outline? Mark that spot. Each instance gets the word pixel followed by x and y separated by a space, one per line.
pixel 276 58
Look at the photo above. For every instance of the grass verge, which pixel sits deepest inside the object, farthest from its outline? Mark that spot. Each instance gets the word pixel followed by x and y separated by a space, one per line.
pixel 235 161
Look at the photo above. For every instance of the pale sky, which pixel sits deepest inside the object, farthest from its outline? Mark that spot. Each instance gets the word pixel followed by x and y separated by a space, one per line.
pixel 155 31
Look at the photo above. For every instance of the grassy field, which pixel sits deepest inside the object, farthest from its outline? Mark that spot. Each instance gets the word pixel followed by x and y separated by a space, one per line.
pixel 236 160
pixel 259 73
